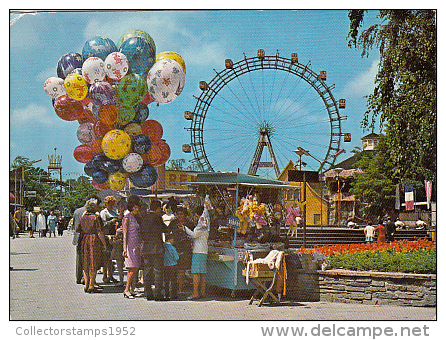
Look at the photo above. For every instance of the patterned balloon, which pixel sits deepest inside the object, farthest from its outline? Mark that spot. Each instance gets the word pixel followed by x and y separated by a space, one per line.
pixel 133 129
pixel 54 87
pixel 89 168
pixel 68 63
pixel 76 86
pixel 116 144
pixel 132 162
pixel 131 89
pixel 85 133
pixel 171 55
pixel 140 54
pixel 116 181
pixel 93 70
pixel 102 93
pixel 136 33
pixel 67 108
pixel 165 80
pixel 145 177
pixel 125 114
pixel 153 129
pixel 110 165
pixel 116 66
pixel 98 47
pixel 141 144
pixel 142 112
pixel 100 129
pixel 98 160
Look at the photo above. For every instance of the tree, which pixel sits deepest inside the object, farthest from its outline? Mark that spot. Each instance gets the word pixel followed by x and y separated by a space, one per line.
pixel 176 164
pixel 404 99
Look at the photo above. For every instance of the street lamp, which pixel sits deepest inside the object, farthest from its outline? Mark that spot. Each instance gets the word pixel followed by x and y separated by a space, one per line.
pixel 337 172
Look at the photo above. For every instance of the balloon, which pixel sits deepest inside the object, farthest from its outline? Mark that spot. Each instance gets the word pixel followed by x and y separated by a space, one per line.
pixel 93 70
pixel 153 129
pixel 163 153
pixel 131 89
pixel 54 87
pixel 125 114
pixel 171 55
pixel 99 47
pixel 142 112
pixel 135 33
pixel 87 117
pixel 96 146
pixel 165 80
pixel 76 86
pixel 100 186
pixel 108 115
pixel 102 93
pixel 100 129
pixel 116 181
pixel 145 177
pixel 140 54
pixel 133 129
pixel 116 66
pixel 111 166
pixel 98 160
pixel 89 168
pixel 116 144
pixel 99 176
pixel 141 144
pixel 82 153
pixel 132 162
pixel 85 133
pixel 153 155
pixel 67 108
pixel 68 63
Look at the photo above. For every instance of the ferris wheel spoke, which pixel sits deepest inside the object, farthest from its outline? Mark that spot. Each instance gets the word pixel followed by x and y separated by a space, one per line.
pixel 246 95
pixel 255 94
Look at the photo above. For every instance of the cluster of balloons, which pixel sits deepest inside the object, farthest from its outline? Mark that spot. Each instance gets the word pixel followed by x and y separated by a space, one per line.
pixel 107 89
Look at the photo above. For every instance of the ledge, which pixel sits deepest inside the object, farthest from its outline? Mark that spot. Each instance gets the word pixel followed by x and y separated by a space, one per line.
pixel 393 275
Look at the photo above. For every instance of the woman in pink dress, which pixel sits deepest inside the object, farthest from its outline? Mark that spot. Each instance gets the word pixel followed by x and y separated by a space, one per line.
pixel 131 245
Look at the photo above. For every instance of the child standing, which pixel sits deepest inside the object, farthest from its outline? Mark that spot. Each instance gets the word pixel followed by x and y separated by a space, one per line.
pixel 170 270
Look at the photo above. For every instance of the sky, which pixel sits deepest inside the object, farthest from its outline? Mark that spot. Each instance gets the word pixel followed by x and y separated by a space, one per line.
pixel 204 39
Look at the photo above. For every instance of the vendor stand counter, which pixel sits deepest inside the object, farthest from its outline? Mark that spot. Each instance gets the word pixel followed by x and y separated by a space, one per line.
pixel 225 265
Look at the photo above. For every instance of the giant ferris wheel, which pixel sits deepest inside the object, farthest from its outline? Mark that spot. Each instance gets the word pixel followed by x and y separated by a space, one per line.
pixel 255 112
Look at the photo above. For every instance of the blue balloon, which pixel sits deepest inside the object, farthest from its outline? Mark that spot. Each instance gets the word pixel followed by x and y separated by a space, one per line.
pixel 98 160
pixel 100 176
pixel 145 177
pixel 141 144
pixel 140 54
pixel 111 166
pixel 68 63
pixel 89 168
pixel 98 47
pixel 142 113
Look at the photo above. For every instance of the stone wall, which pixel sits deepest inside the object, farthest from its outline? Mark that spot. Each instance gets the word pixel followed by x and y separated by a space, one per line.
pixel 378 288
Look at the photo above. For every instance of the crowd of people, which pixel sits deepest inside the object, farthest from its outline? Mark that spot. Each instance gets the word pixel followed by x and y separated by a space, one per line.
pixel 40 221
pixel 161 240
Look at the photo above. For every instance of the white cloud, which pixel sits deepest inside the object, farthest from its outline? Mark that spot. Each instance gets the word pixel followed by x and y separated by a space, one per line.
pixel 363 84
pixel 33 114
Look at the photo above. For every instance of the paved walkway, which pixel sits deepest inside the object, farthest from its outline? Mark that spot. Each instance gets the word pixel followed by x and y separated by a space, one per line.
pixel 42 287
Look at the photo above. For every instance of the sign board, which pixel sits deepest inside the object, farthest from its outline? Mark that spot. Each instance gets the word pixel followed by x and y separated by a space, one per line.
pixel 233 221
pixel 30 194
pixel 298 176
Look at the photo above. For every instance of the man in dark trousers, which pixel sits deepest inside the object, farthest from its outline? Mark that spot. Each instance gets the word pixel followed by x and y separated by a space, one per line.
pixel 151 228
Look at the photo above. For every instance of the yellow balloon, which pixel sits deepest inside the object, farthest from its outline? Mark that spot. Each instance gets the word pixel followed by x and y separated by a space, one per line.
pixel 116 181
pixel 116 144
pixel 76 86
pixel 171 55
pixel 133 129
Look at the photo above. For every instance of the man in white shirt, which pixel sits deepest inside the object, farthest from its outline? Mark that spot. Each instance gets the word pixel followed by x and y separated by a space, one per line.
pixel 369 232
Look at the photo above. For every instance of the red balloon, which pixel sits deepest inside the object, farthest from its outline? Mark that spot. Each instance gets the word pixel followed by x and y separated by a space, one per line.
pixel 83 153
pixel 100 186
pixel 67 108
pixel 108 115
pixel 87 117
pixel 147 99
pixel 153 155
pixel 100 129
pixel 161 153
pixel 96 146
pixel 153 129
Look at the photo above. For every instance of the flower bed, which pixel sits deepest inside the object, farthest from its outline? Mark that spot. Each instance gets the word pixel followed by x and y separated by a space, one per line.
pixel 419 256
